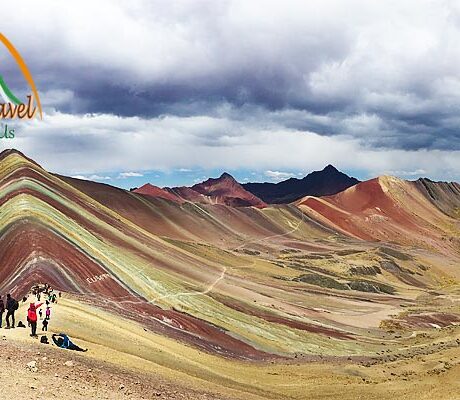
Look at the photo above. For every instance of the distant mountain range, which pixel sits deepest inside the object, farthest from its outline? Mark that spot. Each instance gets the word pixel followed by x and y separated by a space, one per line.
pixel 224 190
pixel 319 183
pixel 227 191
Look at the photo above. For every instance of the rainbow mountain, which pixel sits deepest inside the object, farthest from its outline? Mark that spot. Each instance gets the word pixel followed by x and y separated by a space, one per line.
pixel 321 276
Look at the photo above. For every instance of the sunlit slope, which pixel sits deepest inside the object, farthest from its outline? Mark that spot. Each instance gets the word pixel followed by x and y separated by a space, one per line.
pixel 445 195
pixel 387 209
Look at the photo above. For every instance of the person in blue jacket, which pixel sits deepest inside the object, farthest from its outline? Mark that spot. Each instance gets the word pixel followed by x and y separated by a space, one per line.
pixel 64 342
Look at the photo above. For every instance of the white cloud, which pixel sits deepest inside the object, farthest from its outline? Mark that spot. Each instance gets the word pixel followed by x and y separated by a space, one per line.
pixel 417 172
pixel 278 175
pixel 125 175
pixel 93 177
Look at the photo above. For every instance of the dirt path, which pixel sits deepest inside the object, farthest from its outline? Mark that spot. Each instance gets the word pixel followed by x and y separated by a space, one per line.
pixel 224 269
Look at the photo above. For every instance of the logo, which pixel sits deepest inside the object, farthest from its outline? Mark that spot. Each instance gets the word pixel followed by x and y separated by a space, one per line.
pixel 12 107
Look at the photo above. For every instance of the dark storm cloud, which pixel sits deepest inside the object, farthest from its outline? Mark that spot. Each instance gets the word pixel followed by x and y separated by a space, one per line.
pixel 108 92
pixel 428 126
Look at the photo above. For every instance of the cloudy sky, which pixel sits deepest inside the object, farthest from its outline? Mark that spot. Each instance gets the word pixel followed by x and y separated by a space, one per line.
pixel 174 91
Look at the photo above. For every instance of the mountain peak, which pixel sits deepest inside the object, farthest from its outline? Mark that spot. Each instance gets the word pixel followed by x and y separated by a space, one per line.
pixel 13 152
pixel 226 175
pixel 330 168
pixel 318 183
pixel 8 152
pixel 154 191
pixel 223 190
pixel 147 186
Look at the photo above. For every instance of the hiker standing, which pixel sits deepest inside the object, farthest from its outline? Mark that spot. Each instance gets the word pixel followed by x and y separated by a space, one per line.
pixel 32 318
pixel 2 310
pixel 45 325
pixel 40 313
pixel 11 306
pixel 48 313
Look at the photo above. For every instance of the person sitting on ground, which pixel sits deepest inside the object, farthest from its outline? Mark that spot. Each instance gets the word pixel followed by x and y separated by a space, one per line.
pixel 32 318
pixel 64 342
pixel 11 305
pixel 45 325
pixel 2 310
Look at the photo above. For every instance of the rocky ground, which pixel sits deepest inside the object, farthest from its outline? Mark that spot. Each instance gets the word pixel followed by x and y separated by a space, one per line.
pixel 38 371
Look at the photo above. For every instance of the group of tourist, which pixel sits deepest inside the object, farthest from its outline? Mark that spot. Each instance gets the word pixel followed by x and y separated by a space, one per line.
pixel 12 305
pixel 32 317
pixel 34 313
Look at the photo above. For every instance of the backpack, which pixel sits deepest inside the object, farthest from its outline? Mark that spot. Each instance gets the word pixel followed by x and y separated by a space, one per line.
pixel 15 305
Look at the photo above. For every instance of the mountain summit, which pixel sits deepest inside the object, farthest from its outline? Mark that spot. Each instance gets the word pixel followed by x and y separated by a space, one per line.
pixel 226 190
pixel 318 183
pixel 223 190
pixel 154 191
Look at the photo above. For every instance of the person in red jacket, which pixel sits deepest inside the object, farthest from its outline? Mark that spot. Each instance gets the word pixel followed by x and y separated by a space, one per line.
pixel 32 317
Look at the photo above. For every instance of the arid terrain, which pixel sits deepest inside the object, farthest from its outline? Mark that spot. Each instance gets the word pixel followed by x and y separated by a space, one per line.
pixel 210 293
